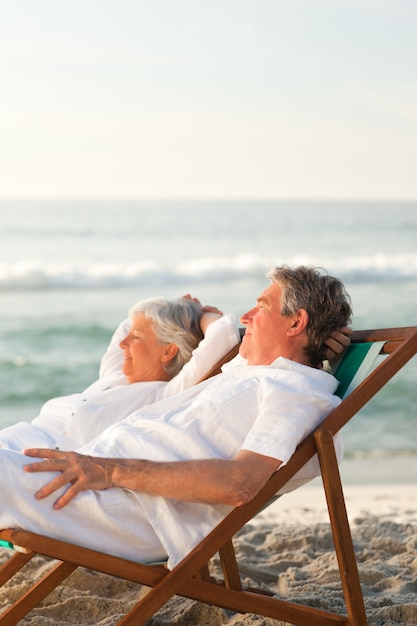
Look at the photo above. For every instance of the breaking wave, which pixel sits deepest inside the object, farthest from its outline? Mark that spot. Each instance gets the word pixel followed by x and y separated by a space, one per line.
pixel 35 275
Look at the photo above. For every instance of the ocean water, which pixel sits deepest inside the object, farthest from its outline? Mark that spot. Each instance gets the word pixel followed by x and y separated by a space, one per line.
pixel 70 270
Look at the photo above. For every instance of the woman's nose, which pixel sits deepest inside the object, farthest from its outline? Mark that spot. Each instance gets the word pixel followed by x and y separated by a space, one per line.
pixel 124 342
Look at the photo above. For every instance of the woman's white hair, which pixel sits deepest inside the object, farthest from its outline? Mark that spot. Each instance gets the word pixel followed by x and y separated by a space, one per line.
pixel 173 321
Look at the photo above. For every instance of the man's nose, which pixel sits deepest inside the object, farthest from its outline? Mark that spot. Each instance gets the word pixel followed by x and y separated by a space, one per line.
pixel 246 317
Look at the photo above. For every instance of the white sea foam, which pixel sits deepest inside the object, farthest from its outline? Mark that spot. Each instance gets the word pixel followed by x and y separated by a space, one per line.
pixel 33 274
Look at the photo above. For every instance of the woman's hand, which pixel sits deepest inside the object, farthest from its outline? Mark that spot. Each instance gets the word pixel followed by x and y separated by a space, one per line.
pixel 209 313
pixel 206 308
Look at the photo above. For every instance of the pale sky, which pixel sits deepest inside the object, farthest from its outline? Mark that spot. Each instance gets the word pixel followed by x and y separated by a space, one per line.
pixel 274 99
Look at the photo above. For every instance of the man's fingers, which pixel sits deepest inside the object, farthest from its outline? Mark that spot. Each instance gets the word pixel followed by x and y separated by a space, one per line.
pixel 46 465
pixel 73 473
pixel 335 345
pixel 40 466
pixel 53 485
pixel 66 497
pixel 43 453
pixel 338 341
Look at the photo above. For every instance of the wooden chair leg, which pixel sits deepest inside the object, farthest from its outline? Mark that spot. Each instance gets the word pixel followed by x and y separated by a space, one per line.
pixel 229 566
pixel 13 565
pixel 36 593
pixel 340 528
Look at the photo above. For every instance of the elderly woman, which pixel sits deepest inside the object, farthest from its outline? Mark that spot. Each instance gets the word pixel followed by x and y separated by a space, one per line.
pixel 155 353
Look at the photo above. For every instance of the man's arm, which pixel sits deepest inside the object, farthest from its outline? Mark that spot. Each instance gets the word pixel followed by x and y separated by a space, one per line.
pixel 214 481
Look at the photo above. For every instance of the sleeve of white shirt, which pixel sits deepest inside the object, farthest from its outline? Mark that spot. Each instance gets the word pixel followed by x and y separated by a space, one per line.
pixel 221 336
pixel 112 360
pixel 287 414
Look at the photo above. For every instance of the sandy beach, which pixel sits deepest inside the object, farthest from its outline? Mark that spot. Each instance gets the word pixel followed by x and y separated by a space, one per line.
pixel 287 548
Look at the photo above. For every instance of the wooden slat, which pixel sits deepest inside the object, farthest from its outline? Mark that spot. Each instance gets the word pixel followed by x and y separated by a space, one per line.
pixel 242 602
pixel 108 564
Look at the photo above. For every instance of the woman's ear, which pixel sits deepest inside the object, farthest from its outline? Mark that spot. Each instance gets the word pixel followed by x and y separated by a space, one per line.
pixel 169 352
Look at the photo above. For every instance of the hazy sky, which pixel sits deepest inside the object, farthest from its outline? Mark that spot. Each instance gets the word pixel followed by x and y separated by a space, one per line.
pixel 208 98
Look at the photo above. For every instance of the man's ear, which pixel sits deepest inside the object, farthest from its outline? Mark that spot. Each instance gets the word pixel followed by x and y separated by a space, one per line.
pixel 169 352
pixel 299 323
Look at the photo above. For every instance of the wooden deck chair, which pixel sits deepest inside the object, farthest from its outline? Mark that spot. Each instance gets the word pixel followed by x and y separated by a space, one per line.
pixel 191 577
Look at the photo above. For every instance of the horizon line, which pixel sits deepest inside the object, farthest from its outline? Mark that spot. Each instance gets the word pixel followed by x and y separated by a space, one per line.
pixel 111 198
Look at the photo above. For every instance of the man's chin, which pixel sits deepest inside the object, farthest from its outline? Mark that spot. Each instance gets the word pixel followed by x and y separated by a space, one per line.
pixel 243 349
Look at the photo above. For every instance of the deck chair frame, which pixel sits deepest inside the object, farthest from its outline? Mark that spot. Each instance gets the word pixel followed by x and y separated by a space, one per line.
pixel 191 577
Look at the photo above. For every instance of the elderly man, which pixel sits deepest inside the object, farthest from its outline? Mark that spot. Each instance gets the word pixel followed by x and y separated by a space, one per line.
pixel 156 483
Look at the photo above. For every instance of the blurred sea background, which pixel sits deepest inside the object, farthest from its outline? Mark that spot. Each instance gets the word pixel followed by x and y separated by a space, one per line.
pixel 70 270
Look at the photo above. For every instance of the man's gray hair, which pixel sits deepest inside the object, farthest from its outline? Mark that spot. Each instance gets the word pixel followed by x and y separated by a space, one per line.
pixel 173 321
pixel 324 297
